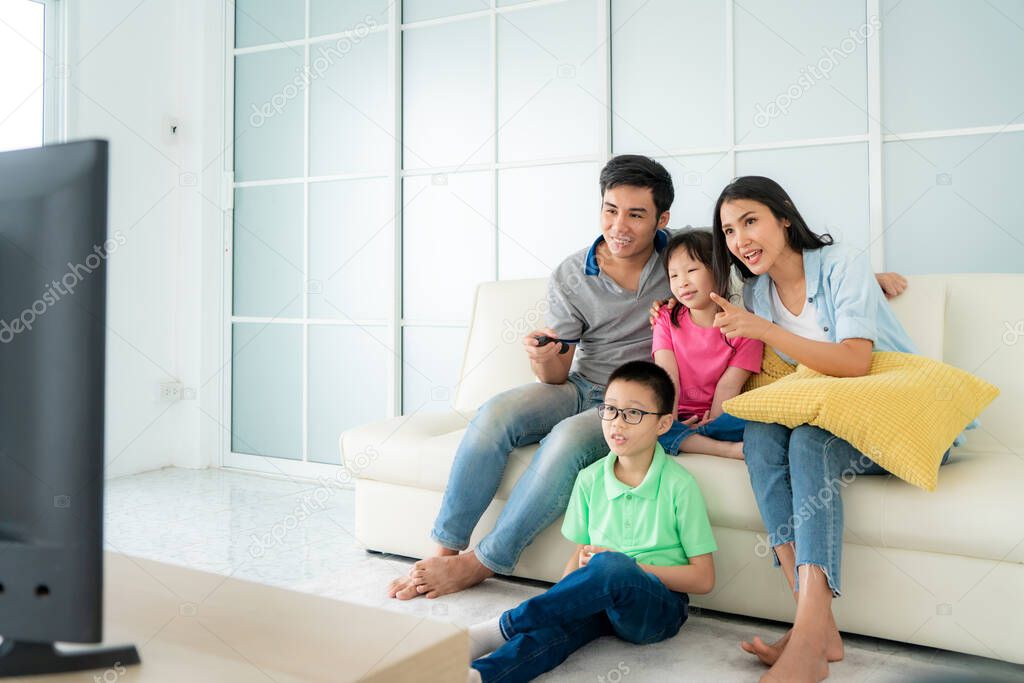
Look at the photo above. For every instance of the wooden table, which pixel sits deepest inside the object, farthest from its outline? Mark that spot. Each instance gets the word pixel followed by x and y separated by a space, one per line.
pixel 194 626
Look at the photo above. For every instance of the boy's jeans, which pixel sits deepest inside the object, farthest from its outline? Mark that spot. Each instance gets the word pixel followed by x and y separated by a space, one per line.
pixel 611 595
pixel 725 427
pixel 796 475
pixel 563 419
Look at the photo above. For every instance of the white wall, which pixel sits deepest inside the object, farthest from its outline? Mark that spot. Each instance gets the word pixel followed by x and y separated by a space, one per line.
pixel 132 67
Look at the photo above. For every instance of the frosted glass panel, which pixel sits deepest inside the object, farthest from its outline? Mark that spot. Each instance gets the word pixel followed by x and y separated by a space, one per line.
pixel 447 107
pixel 331 16
pixel 449 244
pixel 351 128
pixel 258 22
pixel 829 186
pixel 545 214
pixel 973 80
pixel 550 96
pixel 433 359
pixel 348 383
pixel 266 390
pixel 351 249
pixel 268 115
pixel 698 180
pixel 800 72
pixel 690 107
pixel 268 277
pixel 418 10
pixel 951 205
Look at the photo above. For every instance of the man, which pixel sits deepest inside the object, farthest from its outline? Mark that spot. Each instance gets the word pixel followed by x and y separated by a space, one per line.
pixel 598 299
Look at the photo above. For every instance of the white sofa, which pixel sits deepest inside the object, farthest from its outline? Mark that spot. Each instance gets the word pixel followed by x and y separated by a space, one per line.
pixel 942 569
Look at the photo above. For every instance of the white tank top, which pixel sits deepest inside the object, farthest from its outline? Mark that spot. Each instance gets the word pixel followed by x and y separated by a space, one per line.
pixel 805 324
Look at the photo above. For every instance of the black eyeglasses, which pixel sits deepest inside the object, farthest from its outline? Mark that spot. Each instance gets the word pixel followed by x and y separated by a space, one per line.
pixel 632 416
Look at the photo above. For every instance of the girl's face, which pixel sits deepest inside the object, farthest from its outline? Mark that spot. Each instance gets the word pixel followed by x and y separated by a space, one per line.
pixel 690 280
pixel 753 234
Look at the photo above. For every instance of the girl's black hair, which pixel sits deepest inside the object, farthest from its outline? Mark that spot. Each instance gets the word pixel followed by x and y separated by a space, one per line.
pixel 768 192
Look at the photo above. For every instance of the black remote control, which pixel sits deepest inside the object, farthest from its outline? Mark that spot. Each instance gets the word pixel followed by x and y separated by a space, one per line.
pixel 543 339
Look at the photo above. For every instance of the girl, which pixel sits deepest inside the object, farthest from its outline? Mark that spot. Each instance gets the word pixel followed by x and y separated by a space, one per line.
pixel 818 304
pixel 705 366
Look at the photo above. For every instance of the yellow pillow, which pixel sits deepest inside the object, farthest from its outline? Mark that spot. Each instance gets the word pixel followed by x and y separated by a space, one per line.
pixel 903 415
pixel 772 368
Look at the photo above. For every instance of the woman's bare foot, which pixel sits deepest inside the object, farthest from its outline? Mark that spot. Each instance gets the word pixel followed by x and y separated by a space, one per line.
pixel 769 654
pixel 404 587
pixel 802 661
pixel 436 576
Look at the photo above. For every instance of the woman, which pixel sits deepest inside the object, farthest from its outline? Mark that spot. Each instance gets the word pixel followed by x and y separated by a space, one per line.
pixel 818 304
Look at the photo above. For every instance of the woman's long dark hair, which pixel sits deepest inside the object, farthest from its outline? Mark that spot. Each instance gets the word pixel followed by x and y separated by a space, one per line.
pixel 768 192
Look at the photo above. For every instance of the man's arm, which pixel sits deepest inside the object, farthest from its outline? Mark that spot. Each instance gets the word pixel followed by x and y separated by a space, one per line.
pixel 696 577
pixel 550 366
pixel 892 284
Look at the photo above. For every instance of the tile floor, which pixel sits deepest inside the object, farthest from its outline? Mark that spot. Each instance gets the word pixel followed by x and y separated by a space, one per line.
pixel 291 534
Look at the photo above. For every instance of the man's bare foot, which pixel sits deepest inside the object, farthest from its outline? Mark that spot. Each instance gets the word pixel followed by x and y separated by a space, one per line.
pixel 769 654
pixel 436 576
pixel 404 588
pixel 802 661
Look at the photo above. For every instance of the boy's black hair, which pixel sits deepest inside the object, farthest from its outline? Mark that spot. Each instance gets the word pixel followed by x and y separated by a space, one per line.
pixel 640 171
pixel 651 376
pixel 768 192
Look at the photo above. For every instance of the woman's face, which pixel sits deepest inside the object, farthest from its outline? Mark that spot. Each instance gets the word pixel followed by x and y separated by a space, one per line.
pixel 690 280
pixel 753 234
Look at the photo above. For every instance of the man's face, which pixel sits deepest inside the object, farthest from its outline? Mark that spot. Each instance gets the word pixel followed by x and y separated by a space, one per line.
pixel 628 221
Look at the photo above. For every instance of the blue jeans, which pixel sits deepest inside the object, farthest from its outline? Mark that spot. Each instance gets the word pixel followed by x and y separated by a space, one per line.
pixel 725 427
pixel 611 595
pixel 561 417
pixel 796 475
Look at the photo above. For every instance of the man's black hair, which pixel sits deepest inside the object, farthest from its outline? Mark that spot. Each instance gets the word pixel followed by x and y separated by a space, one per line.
pixel 651 376
pixel 640 171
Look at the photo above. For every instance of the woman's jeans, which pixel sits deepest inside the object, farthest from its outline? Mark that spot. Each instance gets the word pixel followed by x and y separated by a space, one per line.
pixel 725 427
pixel 562 418
pixel 611 595
pixel 796 475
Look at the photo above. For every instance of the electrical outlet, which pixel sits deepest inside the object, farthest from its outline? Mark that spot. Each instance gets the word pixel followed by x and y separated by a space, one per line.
pixel 171 391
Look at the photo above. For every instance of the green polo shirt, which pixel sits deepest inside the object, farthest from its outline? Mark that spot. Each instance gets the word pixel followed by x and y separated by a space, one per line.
pixel 662 521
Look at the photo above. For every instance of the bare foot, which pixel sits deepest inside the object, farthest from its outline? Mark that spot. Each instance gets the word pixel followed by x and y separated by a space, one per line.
pixel 436 576
pixel 802 661
pixel 403 588
pixel 769 654
pixel 736 450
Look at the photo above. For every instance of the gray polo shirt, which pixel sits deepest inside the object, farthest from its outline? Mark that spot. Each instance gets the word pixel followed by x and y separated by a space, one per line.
pixel 610 321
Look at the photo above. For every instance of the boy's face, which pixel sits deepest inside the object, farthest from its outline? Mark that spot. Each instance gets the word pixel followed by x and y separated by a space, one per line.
pixel 625 440
pixel 628 220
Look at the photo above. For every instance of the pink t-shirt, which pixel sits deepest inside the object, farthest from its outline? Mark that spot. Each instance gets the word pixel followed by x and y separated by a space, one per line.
pixel 703 355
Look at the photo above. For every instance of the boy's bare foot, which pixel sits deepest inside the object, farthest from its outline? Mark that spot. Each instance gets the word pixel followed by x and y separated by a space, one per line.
pixel 769 654
pixel 802 661
pixel 404 587
pixel 436 576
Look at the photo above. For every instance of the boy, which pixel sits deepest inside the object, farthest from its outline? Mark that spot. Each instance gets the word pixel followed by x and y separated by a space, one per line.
pixel 644 542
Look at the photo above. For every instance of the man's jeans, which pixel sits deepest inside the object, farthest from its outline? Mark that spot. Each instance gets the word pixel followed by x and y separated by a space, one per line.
pixel 796 475
pixel 562 418
pixel 611 595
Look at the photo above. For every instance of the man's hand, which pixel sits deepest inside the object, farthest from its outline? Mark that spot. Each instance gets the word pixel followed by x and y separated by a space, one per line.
pixel 538 353
pixel 589 551
pixel 668 303
pixel 893 284
pixel 739 322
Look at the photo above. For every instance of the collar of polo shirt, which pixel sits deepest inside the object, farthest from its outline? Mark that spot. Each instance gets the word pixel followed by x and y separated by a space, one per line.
pixel 648 488
pixel 590 266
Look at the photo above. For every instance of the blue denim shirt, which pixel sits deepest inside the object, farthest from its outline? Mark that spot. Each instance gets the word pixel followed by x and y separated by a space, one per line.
pixel 850 303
